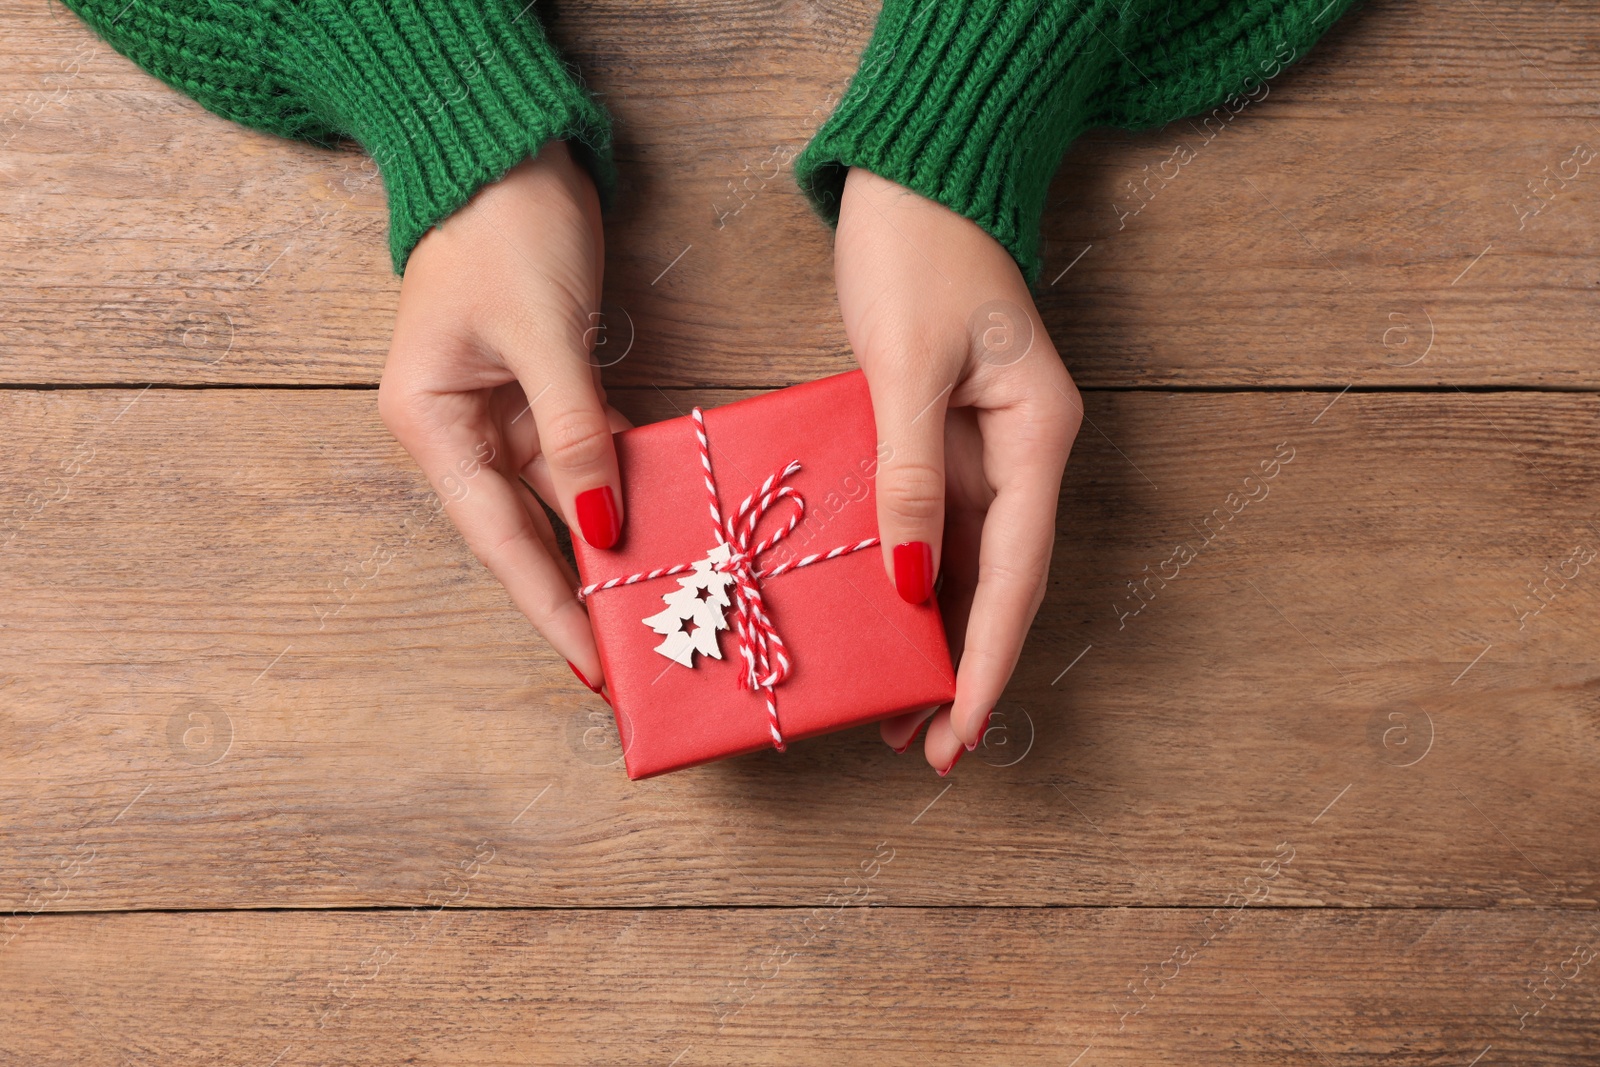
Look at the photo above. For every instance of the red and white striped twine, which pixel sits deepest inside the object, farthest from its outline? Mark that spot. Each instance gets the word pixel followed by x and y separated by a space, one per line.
pixel 766 662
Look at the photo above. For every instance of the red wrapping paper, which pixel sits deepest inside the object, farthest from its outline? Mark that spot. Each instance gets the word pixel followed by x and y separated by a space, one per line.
pixel 859 652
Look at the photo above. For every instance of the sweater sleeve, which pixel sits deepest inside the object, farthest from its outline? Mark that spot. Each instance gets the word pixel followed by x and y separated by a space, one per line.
pixel 972 103
pixel 446 95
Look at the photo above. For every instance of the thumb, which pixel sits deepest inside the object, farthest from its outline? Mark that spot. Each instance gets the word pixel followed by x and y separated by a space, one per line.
pixel 575 441
pixel 909 409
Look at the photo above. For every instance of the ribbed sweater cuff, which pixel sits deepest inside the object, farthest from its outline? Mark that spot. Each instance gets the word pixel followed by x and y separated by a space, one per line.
pixel 447 96
pixel 971 104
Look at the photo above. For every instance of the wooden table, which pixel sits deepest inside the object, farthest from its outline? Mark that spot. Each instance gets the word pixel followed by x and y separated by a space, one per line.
pixel 285 780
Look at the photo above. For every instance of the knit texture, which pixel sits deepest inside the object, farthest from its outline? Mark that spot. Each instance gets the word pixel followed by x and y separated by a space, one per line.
pixel 446 95
pixel 972 103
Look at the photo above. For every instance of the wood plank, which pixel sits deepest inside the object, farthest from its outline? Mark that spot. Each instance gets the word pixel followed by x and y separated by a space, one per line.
pixel 982 985
pixel 245 666
pixel 1360 224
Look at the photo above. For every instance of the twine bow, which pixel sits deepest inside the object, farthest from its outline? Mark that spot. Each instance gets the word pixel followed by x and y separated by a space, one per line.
pixel 766 661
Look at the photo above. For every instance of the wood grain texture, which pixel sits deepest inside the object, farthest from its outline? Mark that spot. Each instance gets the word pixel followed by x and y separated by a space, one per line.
pixel 1369 221
pixel 246 666
pixel 880 985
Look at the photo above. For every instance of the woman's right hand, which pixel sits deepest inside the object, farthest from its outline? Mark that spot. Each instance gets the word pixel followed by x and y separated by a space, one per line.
pixel 491 383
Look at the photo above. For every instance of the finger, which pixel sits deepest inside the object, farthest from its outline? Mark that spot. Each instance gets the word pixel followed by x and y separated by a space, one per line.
pixel 456 445
pixel 576 447
pixel 967 499
pixel 546 532
pixel 547 536
pixel 942 747
pixel 908 403
pixel 509 409
pixel 1025 450
pixel 546 344
pixel 617 420
pixel 537 470
pixel 900 731
pixel 962 543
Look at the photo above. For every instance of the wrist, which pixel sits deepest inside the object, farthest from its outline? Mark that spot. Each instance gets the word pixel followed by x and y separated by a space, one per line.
pixel 970 105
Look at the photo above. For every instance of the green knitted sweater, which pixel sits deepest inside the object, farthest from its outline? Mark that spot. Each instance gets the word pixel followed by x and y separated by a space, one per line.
pixel 969 102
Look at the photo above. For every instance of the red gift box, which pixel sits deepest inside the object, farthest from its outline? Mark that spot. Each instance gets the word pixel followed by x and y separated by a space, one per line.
pixel 844 647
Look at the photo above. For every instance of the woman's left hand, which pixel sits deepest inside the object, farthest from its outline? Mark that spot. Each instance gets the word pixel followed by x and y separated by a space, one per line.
pixel 978 415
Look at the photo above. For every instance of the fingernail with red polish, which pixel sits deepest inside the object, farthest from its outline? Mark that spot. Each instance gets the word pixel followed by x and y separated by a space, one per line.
pixel 591 686
pixel 913 738
pixel 598 518
pixel 976 741
pixel 953 763
pixel 913 571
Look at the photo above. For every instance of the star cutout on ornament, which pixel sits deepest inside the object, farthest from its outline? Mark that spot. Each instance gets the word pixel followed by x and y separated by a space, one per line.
pixel 695 611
